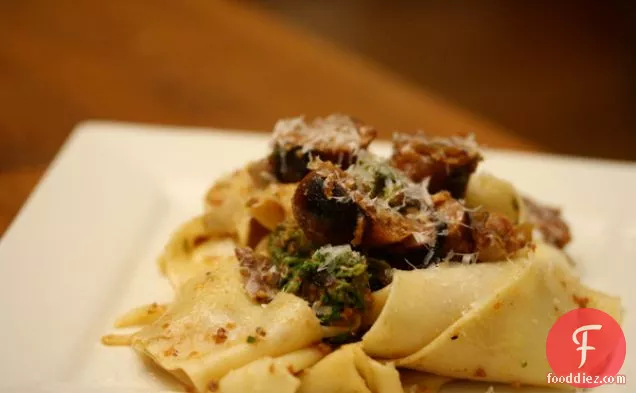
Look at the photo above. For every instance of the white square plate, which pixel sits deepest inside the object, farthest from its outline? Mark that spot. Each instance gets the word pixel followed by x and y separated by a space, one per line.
pixel 83 248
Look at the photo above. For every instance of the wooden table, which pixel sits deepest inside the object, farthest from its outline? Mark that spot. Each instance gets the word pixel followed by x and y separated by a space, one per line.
pixel 191 62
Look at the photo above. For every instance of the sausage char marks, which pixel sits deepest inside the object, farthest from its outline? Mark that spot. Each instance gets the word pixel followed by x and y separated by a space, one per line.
pixel 447 163
pixel 336 138
pixel 378 209
pixel 334 206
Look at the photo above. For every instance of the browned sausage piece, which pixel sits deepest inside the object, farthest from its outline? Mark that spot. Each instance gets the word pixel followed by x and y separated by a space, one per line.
pixel 446 162
pixel 336 138
pixel 549 222
pixel 496 237
pixel 324 210
pixel 333 206
pixel 457 236
pixel 332 209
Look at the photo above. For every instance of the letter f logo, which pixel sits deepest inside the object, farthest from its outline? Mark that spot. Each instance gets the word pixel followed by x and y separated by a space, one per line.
pixel 583 344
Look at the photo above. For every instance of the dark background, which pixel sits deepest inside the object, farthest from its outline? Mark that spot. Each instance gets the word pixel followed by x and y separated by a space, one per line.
pixel 555 72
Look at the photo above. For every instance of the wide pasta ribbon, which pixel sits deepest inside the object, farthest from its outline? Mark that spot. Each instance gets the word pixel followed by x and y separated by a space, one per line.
pixel 349 369
pixel 485 321
pixel 213 327
pixel 271 374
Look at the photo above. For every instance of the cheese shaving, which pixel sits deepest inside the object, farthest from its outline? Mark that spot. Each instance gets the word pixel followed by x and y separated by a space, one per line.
pixel 331 133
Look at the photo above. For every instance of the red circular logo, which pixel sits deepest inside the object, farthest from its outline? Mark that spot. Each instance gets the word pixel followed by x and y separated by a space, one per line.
pixel 585 348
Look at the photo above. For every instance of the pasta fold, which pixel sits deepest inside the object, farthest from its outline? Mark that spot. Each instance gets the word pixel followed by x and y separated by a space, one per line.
pixel 350 370
pixel 240 207
pixel 189 250
pixel 213 327
pixel 483 321
pixel 494 194
pixel 271 374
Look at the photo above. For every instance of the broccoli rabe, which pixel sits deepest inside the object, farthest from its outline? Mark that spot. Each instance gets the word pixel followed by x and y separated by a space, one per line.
pixel 377 179
pixel 333 279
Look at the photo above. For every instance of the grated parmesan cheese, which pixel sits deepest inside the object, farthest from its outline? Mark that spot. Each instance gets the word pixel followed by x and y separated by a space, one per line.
pixel 331 133
pixel 331 253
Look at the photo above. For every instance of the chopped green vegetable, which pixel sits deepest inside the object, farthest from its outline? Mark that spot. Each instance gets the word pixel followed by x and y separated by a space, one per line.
pixel 340 275
pixel 251 339
pixel 333 279
pixel 376 178
pixel 288 245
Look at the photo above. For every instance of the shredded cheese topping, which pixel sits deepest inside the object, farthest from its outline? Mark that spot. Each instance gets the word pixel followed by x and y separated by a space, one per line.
pixel 330 133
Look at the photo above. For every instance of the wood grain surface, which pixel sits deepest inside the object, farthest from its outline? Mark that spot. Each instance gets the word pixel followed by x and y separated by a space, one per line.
pixel 189 62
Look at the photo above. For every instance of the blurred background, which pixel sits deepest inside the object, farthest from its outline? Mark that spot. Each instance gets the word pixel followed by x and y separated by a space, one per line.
pixel 556 72
pixel 556 77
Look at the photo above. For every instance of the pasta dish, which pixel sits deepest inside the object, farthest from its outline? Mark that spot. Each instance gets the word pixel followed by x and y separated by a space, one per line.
pixel 324 267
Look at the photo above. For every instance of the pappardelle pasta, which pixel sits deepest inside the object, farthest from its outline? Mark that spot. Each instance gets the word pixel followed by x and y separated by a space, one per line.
pixel 326 268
